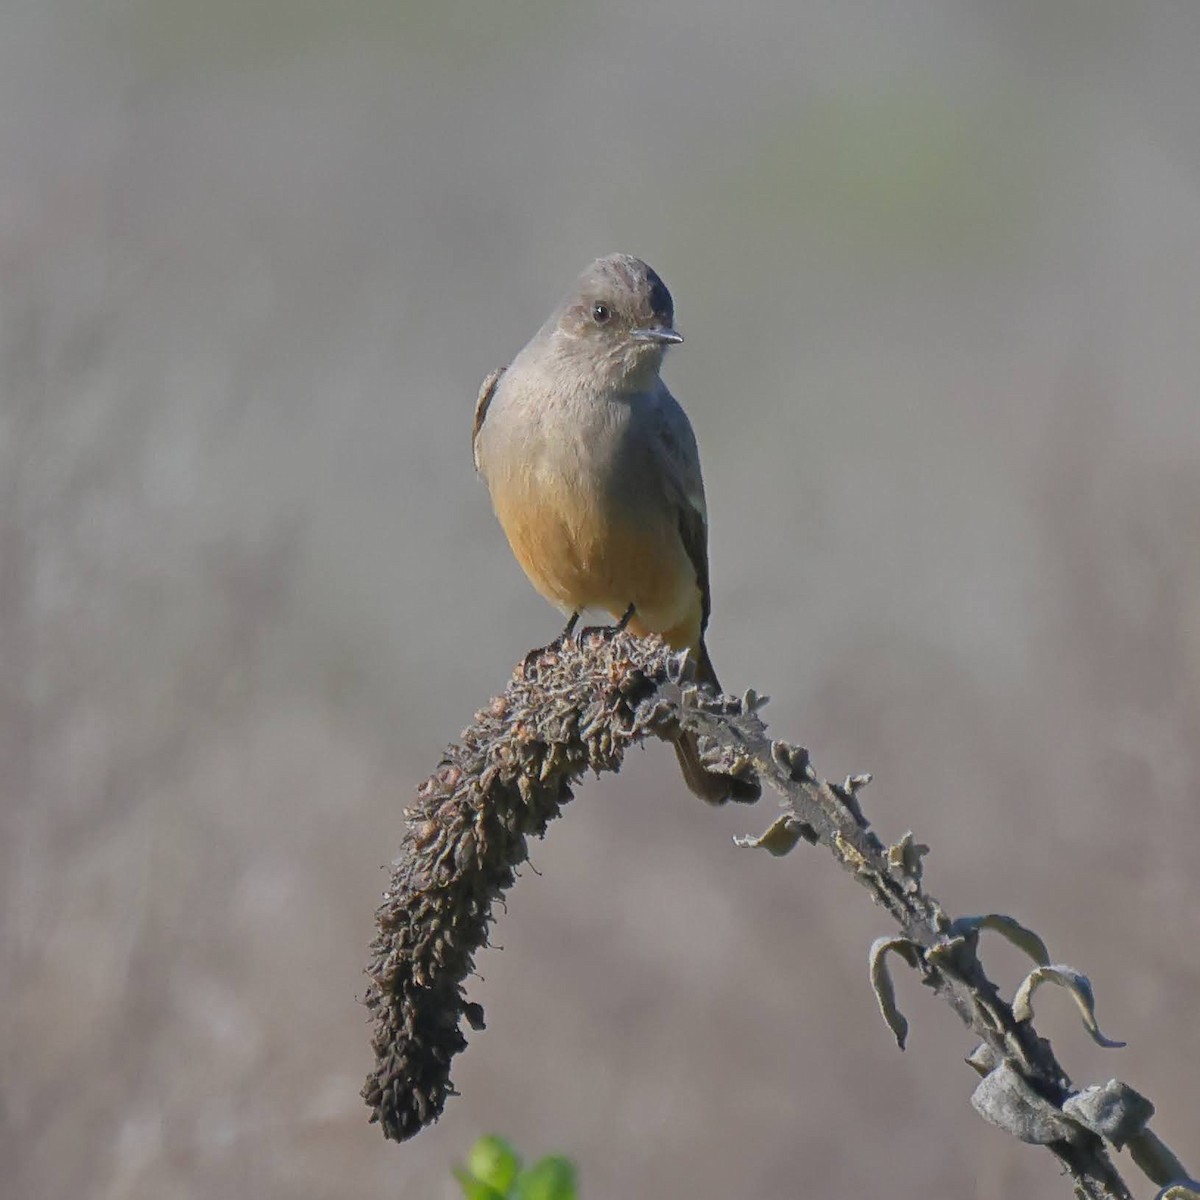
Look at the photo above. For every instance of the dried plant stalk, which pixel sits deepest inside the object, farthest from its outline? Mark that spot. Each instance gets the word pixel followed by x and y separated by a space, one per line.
pixel 577 707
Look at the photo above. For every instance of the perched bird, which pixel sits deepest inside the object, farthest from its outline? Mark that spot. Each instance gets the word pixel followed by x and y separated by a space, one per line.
pixel 594 473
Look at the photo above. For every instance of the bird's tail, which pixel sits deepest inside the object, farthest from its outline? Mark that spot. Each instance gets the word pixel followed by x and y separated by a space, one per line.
pixel 710 786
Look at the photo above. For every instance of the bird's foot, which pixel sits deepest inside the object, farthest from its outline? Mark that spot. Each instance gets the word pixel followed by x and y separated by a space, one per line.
pixel 553 647
pixel 607 632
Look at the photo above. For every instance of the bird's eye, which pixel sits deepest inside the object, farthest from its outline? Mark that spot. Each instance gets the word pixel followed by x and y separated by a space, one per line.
pixel 601 314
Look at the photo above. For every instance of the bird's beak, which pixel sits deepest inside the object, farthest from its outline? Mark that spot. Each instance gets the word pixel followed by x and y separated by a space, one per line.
pixel 661 335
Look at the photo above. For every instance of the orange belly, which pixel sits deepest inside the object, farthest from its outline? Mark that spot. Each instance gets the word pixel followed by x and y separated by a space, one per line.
pixel 580 554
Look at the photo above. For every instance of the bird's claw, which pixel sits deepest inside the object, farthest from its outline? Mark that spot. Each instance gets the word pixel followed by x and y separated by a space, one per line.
pixel 608 632
pixel 566 638
pixel 571 636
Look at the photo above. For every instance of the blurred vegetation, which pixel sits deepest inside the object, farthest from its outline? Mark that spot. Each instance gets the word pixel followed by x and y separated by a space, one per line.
pixel 494 1172
pixel 898 176
pixel 255 259
pixel 174 37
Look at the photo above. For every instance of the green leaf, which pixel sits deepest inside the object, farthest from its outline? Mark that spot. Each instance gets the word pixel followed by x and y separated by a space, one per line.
pixel 476 1189
pixel 551 1178
pixel 494 1162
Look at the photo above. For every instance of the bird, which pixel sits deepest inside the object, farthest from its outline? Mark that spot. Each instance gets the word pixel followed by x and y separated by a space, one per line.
pixel 594 473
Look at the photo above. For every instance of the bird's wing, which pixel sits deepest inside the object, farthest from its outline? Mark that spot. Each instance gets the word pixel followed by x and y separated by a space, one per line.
pixel 486 391
pixel 685 490
pixel 693 529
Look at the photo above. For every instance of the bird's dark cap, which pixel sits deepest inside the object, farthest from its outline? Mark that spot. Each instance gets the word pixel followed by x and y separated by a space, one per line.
pixel 636 279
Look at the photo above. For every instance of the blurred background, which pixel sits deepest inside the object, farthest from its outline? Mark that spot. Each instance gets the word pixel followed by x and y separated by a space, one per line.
pixel 937 267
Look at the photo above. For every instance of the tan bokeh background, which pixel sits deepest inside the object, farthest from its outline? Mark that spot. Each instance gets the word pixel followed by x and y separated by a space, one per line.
pixel 937 264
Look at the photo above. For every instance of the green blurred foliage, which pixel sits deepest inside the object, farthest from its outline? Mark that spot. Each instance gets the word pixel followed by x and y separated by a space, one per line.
pixel 495 1162
pixel 493 1172
pixel 551 1178
pixel 892 176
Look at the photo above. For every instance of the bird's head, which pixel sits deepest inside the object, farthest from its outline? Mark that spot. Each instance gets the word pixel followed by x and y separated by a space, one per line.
pixel 618 319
